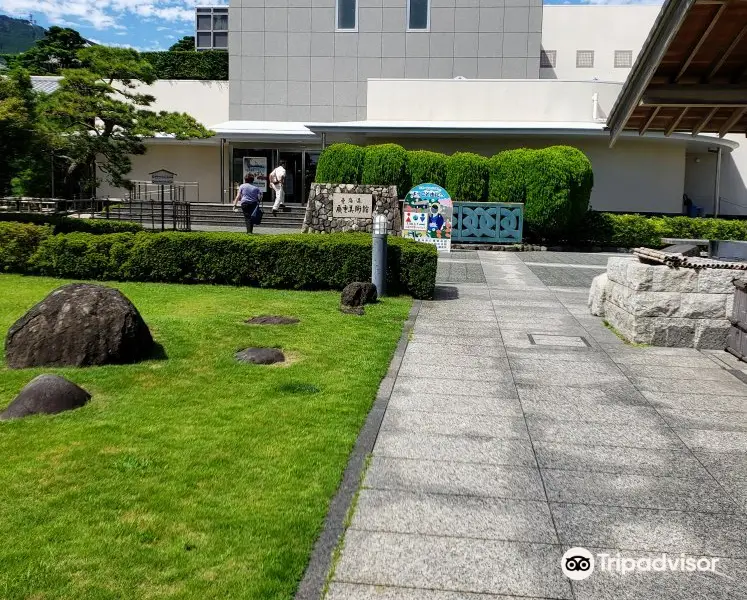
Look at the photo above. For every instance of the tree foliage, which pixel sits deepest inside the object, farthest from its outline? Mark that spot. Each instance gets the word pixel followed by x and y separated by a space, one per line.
pixel 17 110
pixel 186 44
pixel 58 50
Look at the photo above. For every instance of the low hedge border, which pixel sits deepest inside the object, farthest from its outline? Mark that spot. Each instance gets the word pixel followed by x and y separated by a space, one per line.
pixel 632 231
pixel 61 224
pixel 275 261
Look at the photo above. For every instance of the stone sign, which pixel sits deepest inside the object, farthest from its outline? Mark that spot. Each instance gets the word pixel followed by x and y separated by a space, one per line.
pixel 352 206
pixel 326 198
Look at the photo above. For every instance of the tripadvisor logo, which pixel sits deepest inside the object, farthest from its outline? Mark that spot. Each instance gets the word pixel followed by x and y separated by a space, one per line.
pixel 578 563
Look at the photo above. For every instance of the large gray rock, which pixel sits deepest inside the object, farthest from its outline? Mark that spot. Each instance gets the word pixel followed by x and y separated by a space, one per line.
pixel 260 356
pixel 48 395
pixel 79 325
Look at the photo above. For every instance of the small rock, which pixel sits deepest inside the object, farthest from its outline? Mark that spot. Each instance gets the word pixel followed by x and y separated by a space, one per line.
pixel 357 294
pixel 272 320
pixel 48 395
pixel 260 356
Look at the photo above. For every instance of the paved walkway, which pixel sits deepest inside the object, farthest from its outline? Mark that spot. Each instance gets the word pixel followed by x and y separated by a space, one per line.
pixel 519 426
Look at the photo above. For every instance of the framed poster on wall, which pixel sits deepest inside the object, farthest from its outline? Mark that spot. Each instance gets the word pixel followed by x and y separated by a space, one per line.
pixel 257 166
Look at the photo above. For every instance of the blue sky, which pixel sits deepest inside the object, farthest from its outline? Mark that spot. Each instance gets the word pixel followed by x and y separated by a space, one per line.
pixel 146 24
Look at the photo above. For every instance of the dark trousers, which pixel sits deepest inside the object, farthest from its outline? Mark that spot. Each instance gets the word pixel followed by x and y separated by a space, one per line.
pixel 248 209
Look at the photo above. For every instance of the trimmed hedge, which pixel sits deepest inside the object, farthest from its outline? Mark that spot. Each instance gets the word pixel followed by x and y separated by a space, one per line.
pixel 340 163
pixel 507 177
pixel 632 231
pixel 62 224
pixel 426 167
pixel 18 242
pixel 386 164
pixel 282 261
pixel 467 177
pixel 558 184
pixel 204 65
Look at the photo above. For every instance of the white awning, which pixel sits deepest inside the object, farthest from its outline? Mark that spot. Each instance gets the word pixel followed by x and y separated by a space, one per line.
pixel 264 131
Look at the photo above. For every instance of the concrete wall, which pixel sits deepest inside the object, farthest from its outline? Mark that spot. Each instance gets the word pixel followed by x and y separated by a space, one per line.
pixel 495 100
pixel 190 161
pixel 603 29
pixel 288 62
pixel 206 101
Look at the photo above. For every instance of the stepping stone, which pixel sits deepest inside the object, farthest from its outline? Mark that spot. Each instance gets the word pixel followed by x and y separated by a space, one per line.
pixel 272 320
pixel 260 356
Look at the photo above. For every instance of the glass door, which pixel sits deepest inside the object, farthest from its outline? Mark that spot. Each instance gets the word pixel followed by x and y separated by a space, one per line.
pixel 293 176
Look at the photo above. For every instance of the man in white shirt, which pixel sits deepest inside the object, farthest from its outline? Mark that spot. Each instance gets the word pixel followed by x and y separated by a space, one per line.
pixel 277 183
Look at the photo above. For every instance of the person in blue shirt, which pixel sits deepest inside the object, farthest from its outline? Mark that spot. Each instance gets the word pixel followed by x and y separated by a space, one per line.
pixel 248 196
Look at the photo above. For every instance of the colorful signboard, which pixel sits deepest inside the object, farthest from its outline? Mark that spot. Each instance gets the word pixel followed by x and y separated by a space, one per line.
pixel 428 212
pixel 352 206
pixel 257 166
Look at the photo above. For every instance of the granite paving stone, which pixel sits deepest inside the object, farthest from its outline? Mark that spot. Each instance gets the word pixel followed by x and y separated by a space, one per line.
pixel 599 397
pixel 423 400
pixel 597 434
pixel 466 565
pixel 728 385
pixel 456 329
pixel 463 479
pixel 705 419
pixel 405 444
pixel 724 466
pixel 354 591
pixel 617 459
pixel 422 346
pixel 700 372
pixel 448 359
pixel 454 516
pixel 461 373
pixel 709 440
pixel 500 389
pixel 680 401
pixel 448 423
pixel 706 534
pixel 695 494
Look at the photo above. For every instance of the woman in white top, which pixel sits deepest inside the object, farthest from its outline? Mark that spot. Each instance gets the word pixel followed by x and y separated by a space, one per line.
pixel 277 183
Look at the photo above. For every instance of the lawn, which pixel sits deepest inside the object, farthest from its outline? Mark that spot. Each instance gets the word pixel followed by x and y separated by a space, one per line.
pixel 194 476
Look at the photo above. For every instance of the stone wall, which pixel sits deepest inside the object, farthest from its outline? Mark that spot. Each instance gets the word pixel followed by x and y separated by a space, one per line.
pixel 665 306
pixel 319 217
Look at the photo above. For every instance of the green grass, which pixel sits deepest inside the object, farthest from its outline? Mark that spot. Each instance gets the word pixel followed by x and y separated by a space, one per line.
pixel 195 476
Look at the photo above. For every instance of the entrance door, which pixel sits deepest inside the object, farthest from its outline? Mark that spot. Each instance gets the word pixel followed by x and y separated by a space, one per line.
pixel 293 177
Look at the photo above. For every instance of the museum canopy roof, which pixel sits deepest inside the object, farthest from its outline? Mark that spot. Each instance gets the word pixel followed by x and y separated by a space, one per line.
pixel 691 75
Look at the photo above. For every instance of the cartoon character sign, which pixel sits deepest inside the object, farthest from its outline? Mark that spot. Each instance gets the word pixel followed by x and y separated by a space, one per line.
pixel 428 212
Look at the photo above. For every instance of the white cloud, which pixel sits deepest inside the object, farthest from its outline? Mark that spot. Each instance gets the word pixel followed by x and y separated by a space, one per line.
pixel 104 14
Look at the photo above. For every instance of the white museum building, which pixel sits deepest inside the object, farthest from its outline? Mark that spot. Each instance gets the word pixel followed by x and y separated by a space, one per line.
pixel 655 96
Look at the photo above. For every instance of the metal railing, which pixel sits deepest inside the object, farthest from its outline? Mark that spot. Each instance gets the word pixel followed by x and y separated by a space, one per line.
pixel 154 214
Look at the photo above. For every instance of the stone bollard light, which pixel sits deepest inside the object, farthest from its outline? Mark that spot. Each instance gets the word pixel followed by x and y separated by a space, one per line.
pixel 378 254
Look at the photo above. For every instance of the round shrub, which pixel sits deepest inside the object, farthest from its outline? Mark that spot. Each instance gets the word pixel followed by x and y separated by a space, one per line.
pixel 467 177
pixel 427 167
pixel 386 164
pixel 558 188
pixel 340 163
pixel 507 175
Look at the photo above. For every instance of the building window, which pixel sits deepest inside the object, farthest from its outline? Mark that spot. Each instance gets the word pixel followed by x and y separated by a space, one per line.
pixel 584 59
pixel 623 59
pixel 418 14
pixel 347 14
pixel 211 27
pixel 548 59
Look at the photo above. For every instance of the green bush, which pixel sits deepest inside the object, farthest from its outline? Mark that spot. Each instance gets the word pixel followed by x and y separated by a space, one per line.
pixel 558 188
pixel 282 261
pixel 386 164
pixel 631 231
pixel 427 167
pixel 69 224
pixel 467 177
pixel 206 64
pixel 340 163
pixel 507 175
pixel 18 242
